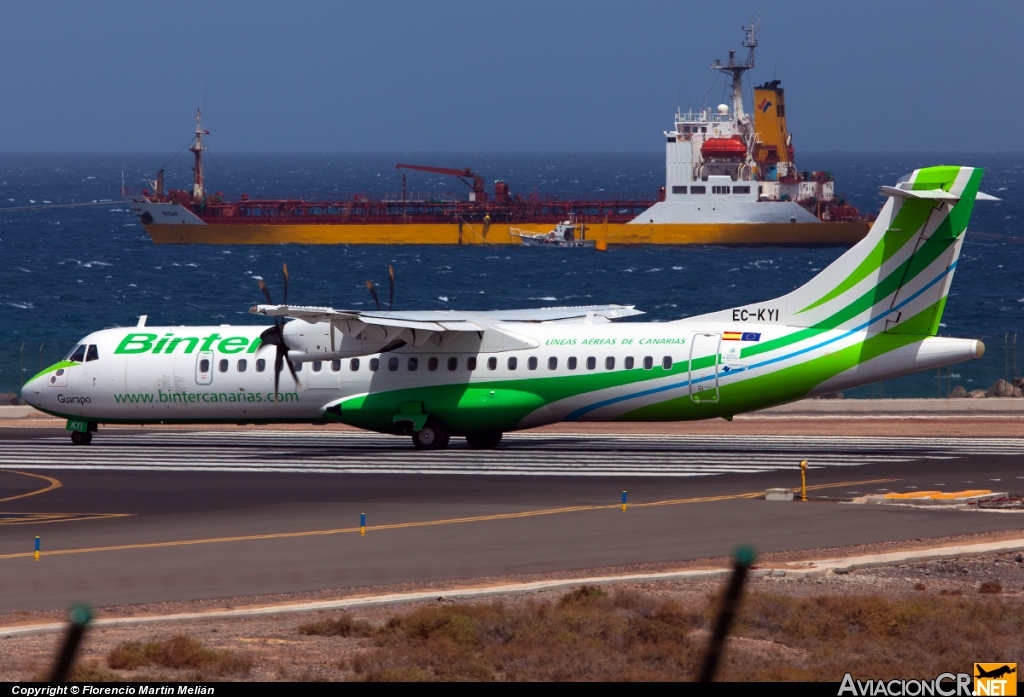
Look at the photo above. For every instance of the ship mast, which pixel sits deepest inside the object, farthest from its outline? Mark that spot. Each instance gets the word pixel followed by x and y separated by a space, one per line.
pixel 737 69
pixel 197 148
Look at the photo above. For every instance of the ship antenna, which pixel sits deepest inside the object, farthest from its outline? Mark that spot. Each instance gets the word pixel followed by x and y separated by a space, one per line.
pixel 737 69
pixel 197 149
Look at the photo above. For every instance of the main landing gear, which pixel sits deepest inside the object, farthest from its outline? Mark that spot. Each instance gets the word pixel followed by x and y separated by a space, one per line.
pixel 433 436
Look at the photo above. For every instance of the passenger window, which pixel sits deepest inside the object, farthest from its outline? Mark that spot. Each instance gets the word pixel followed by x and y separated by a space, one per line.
pixel 393 363
pixel 353 365
pixel 609 363
pixel 471 363
pixel 591 363
pixel 552 363
pixel 78 355
pixel 698 189
pixel 629 363
pixel 512 363
pixel 223 365
pixel 532 363
pixel 335 366
pixel 317 365
pixel 242 365
pixel 453 363
pixel 572 363
pixel 492 363
pixel 374 364
pixel 648 362
pixel 432 363
pixel 666 362
pixel 298 366
pixel 204 365
pixel 414 363
pixel 93 354
pixel 261 365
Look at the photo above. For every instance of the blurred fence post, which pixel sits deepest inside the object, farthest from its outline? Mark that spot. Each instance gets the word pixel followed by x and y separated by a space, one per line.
pixel 1006 354
pixel 21 365
pixel 41 357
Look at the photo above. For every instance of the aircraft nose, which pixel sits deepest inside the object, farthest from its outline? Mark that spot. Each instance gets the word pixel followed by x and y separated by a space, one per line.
pixel 31 390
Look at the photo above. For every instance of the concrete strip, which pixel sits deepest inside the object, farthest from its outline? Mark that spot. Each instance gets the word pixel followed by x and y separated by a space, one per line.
pixel 988 406
pixel 992 405
pixel 790 570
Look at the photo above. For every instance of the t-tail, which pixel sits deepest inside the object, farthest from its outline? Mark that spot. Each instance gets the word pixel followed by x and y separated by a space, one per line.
pixel 888 292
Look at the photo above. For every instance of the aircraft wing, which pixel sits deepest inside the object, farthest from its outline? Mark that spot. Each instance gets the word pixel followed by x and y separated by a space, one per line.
pixel 448 320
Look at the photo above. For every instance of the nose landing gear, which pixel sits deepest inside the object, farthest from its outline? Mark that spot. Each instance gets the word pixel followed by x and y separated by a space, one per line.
pixel 81 437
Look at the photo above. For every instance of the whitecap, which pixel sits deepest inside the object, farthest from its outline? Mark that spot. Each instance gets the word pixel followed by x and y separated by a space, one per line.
pixel 443 298
pixel 678 268
pixel 546 298
pixel 20 268
pixel 23 306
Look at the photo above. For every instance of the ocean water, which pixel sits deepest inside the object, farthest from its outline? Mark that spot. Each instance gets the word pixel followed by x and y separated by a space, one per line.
pixel 66 272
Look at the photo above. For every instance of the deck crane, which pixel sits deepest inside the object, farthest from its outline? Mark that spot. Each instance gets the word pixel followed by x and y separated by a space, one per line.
pixel 477 186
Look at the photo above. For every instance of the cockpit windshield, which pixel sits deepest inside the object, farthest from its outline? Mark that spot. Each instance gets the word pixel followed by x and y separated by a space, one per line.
pixel 78 355
pixel 92 354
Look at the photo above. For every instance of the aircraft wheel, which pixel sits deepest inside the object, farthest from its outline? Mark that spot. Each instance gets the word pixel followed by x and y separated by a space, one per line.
pixel 79 438
pixel 484 441
pixel 433 436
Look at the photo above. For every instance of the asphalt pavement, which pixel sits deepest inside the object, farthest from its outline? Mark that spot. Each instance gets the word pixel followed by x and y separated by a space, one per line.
pixel 145 516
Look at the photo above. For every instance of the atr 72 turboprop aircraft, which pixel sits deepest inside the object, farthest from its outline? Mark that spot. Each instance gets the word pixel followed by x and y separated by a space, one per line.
pixel 872 314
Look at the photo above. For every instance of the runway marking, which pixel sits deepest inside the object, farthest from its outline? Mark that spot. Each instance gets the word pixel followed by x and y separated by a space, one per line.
pixel 526 454
pixel 420 524
pixel 12 518
pixel 54 484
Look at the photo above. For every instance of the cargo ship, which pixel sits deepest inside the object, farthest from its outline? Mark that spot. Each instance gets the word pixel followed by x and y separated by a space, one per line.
pixel 730 179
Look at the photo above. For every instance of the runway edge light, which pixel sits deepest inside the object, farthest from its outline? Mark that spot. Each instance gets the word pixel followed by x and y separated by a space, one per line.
pixel 623 501
pixel 37 548
pixel 803 480
pixel 362 524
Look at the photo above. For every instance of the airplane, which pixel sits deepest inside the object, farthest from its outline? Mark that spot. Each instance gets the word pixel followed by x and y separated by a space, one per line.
pixel 873 314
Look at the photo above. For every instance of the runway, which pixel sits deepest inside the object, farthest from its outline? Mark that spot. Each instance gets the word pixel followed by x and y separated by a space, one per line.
pixel 615 455
pixel 143 516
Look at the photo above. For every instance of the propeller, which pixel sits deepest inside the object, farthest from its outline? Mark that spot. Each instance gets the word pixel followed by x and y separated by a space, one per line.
pixel 275 335
pixel 391 296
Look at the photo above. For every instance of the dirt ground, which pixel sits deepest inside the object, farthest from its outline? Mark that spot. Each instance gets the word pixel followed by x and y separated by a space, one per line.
pixel 271 647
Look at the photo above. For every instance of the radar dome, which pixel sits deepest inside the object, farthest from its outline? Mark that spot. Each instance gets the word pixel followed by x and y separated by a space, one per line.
pixel 723 110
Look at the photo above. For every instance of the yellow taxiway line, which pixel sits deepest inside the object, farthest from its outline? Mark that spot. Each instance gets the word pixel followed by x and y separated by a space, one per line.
pixel 419 524
pixel 54 484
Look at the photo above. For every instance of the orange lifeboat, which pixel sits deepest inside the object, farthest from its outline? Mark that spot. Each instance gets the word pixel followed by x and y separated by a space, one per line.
pixel 724 148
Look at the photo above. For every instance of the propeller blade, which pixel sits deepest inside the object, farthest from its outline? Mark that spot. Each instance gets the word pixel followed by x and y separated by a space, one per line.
pixel 266 292
pixel 391 298
pixel 291 368
pixel 373 291
pixel 285 301
pixel 278 366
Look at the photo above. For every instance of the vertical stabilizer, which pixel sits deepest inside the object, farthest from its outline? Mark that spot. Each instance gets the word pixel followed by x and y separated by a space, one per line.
pixel 900 272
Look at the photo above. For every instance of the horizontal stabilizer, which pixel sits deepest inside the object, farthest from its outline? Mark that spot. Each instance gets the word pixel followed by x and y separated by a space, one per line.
pixel 934 194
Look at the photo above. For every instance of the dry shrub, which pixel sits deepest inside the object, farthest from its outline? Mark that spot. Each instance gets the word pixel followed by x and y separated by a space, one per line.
pixel 631 636
pixel 586 635
pixel 179 652
pixel 991 587
pixel 920 587
pixel 339 626
pixel 86 671
pixel 955 591
pixel 873 635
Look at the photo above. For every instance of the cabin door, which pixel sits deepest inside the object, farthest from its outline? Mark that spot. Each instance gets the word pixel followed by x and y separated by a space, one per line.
pixel 704 361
